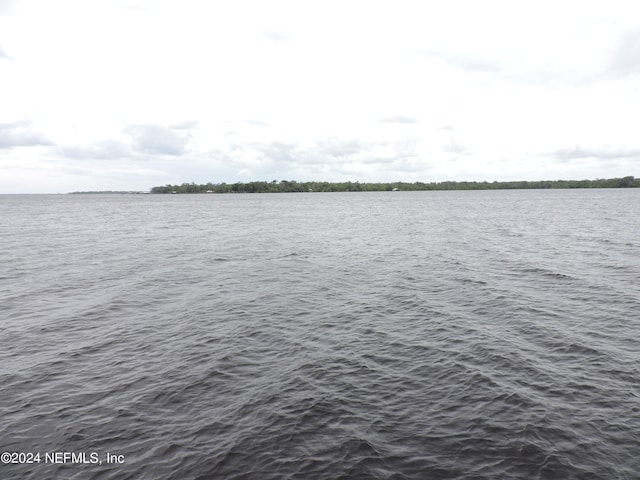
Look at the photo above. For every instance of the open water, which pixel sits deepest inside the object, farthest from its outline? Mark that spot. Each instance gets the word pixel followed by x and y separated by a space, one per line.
pixel 391 335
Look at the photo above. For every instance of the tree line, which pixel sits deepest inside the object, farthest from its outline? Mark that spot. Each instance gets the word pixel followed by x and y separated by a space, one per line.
pixel 282 186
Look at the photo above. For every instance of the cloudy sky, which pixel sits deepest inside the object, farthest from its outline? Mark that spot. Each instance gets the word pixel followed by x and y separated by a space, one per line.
pixel 126 95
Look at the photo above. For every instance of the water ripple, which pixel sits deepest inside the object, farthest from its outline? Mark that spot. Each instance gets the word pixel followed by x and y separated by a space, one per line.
pixel 452 335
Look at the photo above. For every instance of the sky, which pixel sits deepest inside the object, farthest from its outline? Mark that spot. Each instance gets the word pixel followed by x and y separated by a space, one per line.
pixel 127 95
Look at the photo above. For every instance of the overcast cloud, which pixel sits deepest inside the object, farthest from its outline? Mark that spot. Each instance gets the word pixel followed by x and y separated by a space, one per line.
pixel 21 134
pixel 125 95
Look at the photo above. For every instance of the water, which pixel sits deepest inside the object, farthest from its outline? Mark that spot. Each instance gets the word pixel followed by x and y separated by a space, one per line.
pixel 386 335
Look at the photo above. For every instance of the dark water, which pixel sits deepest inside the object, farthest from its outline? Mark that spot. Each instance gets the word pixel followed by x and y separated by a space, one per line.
pixel 418 335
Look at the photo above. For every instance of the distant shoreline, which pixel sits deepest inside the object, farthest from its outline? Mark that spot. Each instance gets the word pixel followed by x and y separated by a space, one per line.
pixel 114 192
pixel 285 186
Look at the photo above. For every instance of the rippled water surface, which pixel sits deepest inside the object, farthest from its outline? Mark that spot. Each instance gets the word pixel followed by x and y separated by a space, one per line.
pixel 389 335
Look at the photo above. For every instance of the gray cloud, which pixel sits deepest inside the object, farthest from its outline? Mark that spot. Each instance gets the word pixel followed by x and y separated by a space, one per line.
pixel 603 153
pixel 326 158
pixel 157 139
pixel 278 151
pixel 324 153
pixel 188 125
pixel 398 164
pixel 335 153
pixel 625 60
pixel 453 146
pixel 339 148
pixel 398 119
pixel 3 55
pixel 21 134
pixel 102 150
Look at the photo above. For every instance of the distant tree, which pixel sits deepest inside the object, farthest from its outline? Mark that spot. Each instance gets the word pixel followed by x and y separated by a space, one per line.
pixel 627 182
pixel 293 186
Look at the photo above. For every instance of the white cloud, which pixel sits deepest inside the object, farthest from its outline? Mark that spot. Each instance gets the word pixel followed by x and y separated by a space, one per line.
pixel 7 6
pixel 398 119
pixel 625 59
pixel 276 36
pixel 365 91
